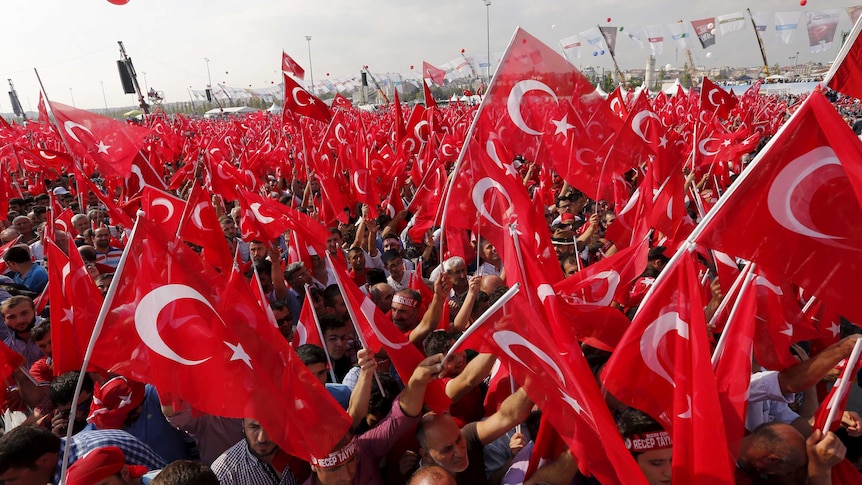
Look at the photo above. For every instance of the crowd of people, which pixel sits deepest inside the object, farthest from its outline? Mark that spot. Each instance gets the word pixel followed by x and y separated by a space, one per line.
pixel 119 431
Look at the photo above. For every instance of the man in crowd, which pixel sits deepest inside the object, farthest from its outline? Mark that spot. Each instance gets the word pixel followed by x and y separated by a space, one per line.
pixel 33 276
pixel 20 317
pixel 105 253
pixel 104 466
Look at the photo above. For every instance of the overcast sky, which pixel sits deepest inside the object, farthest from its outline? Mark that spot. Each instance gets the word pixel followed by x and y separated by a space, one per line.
pixel 73 43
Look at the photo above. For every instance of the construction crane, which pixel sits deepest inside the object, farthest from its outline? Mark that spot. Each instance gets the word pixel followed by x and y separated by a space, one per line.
pixel 376 84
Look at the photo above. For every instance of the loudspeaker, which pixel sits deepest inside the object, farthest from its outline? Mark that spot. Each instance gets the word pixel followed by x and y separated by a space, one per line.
pixel 364 79
pixel 209 95
pixel 126 77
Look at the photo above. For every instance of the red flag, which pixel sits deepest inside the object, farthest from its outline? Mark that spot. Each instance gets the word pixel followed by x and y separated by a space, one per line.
pixel 341 102
pixel 307 327
pixel 175 323
pixel 290 66
pixel 617 104
pixel 845 75
pixel 143 174
pixel 266 219
pixel 662 367
pixel 117 215
pixel 163 208
pixel 560 383
pixel 609 280
pixel 715 100
pixel 75 304
pixel 199 225
pixel 9 362
pixel 300 101
pixel 808 166
pixel 828 415
pixel 435 74
pixel 379 332
pixel 429 98
pixel 111 143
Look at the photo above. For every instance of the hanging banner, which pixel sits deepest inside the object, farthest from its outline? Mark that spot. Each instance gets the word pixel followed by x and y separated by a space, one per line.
pixel 571 47
pixel 594 40
pixel 610 35
pixel 854 13
pixel 822 25
pixel 655 37
pixel 705 31
pixel 678 33
pixel 761 19
pixel 637 34
pixel 732 22
pixel 785 25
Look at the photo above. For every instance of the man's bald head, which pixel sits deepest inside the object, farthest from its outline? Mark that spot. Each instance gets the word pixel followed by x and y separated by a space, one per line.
pixel 431 475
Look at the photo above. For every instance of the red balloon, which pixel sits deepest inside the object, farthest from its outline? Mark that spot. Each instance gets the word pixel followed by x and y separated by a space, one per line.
pixel 803 2
pixel 327 74
pixel 609 19
pixel 411 67
pixel 462 51
pixel 118 2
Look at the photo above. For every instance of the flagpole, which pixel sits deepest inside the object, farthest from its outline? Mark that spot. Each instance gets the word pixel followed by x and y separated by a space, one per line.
pixel 722 341
pixel 97 329
pixel 454 175
pixel 490 311
pixel 353 319
pixel 843 385
pixel 319 332
pixel 749 267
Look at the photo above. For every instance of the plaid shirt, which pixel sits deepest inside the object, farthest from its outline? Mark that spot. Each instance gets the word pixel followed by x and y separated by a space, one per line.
pixel 135 451
pixel 238 466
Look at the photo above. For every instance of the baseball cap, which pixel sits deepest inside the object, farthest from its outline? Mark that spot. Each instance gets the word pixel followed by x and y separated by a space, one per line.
pixel 60 191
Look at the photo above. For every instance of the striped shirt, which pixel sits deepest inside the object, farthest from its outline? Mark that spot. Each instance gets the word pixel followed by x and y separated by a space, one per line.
pixel 135 451
pixel 238 466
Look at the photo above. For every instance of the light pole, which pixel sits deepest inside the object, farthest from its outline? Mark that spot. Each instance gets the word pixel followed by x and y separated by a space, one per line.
pixel 103 96
pixel 73 97
pixel 488 37
pixel 146 87
pixel 310 69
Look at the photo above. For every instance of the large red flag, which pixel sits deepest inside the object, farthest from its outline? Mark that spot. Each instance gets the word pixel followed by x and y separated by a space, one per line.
pixel 799 202
pixel 111 143
pixel 290 66
pixel 662 367
pixel 845 75
pixel 266 219
pixel 559 382
pixel 199 225
pixel 715 101
pixel 175 323
pixel 300 101
pixel 163 208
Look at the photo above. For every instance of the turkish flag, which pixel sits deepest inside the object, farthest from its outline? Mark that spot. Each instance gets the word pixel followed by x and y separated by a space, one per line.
pixel 307 327
pixel 828 415
pixel 341 102
pixel 435 74
pixel 429 98
pixel 163 208
pixel 617 104
pixel 845 75
pixel 662 367
pixel 142 175
pixel 799 202
pixel 715 101
pixel 290 66
pixel 200 226
pixel 110 143
pixel 75 304
pixel 609 280
pixel 378 332
pixel 266 219
pixel 177 324
pixel 300 101
pixel 558 379
pixel 9 362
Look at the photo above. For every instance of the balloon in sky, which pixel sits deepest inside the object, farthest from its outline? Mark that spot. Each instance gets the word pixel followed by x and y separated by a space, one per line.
pixel 803 2
pixel 609 19
pixel 118 2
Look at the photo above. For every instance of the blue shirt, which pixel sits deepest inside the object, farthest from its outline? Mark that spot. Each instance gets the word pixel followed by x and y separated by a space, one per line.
pixel 35 279
pixel 153 429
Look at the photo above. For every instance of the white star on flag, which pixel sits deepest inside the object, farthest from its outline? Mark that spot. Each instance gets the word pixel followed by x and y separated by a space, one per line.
pixel 563 126
pixel 103 148
pixel 239 354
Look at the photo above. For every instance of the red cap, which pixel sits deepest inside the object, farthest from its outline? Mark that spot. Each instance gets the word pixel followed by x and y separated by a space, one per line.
pixel 100 464
pixel 567 218
pixel 114 400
